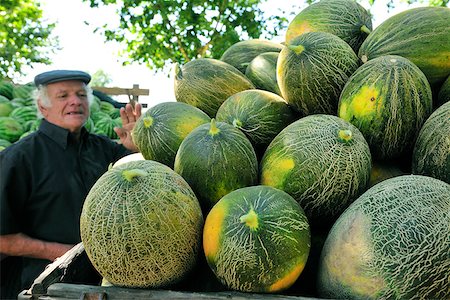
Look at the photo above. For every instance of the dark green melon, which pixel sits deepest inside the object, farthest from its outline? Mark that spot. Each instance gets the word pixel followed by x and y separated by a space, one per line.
pixel 159 132
pixel 6 107
pixel 6 89
pixel 105 126
pixel 206 83
pixel 322 161
pixel 24 114
pixel 261 115
pixel 312 70
pixel 141 225
pixel 344 18
pixel 391 243
pixel 24 91
pixel 242 53
pixel 388 99
pixel 215 159
pixel 257 239
pixel 418 34
pixel 10 129
pixel 431 155
pixel 444 93
pixel 5 143
pixel 262 72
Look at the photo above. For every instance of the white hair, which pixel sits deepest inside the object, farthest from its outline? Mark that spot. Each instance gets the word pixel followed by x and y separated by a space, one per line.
pixel 41 94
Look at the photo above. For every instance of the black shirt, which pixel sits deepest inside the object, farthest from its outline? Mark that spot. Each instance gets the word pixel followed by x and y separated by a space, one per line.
pixel 44 179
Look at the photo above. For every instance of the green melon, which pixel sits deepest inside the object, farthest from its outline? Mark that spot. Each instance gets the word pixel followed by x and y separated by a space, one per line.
pixel 322 161
pixel 262 72
pixel 431 155
pixel 6 107
pixel 106 126
pixel 242 53
pixel 6 89
pixel 10 129
pixel 215 159
pixel 391 243
pixel 5 143
pixel 24 113
pixel 24 91
pixel 107 107
pixel 141 225
pixel 159 132
pixel 261 115
pixel 388 99
pixel 444 93
pixel 257 239
pixel 344 18
pixel 418 34
pixel 206 83
pixel 312 70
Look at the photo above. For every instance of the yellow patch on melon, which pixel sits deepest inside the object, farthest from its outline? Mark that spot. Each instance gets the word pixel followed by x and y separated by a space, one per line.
pixel 186 127
pixel 275 173
pixel 352 267
pixel 367 102
pixel 287 280
pixel 212 230
pixel 298 29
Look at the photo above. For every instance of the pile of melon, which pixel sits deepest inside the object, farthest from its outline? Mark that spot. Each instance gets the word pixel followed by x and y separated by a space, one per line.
pixel 318 167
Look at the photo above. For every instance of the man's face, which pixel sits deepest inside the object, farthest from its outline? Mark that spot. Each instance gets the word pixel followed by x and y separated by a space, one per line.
pixel 69 107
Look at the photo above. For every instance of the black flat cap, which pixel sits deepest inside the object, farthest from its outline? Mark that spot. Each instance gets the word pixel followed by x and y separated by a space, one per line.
pixel 61 75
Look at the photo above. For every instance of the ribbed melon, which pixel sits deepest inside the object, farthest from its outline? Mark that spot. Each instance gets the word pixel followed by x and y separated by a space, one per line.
pixel 418 34
pixel 344 18
pixel 160 130
pixel 391 243
pixel 242 53
pixel 6 89
pixel 215 159
pixel 312 70
pixel 322 161
pixel 431 155
pixel 262 72
pixel 206 83
pixel 141 225
pixel 388 99
pixel 257 239
pixel 444 93
pixel 261 115
pixel 24 113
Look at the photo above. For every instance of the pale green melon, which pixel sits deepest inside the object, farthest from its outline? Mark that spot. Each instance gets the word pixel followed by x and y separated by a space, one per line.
pixel 391 243
pixel 141 225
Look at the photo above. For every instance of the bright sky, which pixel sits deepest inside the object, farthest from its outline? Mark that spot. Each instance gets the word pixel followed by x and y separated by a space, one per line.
pixel 84 50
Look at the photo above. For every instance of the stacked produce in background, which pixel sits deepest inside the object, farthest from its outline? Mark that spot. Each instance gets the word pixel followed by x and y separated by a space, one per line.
pixel 330 150
pixel 19 114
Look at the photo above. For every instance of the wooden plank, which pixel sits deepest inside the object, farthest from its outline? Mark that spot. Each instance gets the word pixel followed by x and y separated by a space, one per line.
pixel 69 291
pixel 135 91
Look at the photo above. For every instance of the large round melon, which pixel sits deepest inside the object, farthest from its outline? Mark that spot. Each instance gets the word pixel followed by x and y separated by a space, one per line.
pixel 431 155
pixel 388 99
pixel 206 83
pixel 418 34
pixel 6 107
pixel 344 18
pixel 391 243
pixel 261 115
pixel 257 239
pixel 141 225
pixel 322 161
pixel 312 70
pixel 215 159
pixel 242 53
pixel 160 130
pixel 262 72
pixel 10 129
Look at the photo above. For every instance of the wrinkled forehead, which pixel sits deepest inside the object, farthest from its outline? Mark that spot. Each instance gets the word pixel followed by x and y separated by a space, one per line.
pixel 66 86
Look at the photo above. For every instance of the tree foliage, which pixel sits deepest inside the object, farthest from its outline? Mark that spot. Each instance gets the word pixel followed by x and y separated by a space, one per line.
pixel 156 31
pixel 24 38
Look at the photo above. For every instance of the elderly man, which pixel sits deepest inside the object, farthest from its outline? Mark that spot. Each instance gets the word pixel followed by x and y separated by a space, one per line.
pixel 45 177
